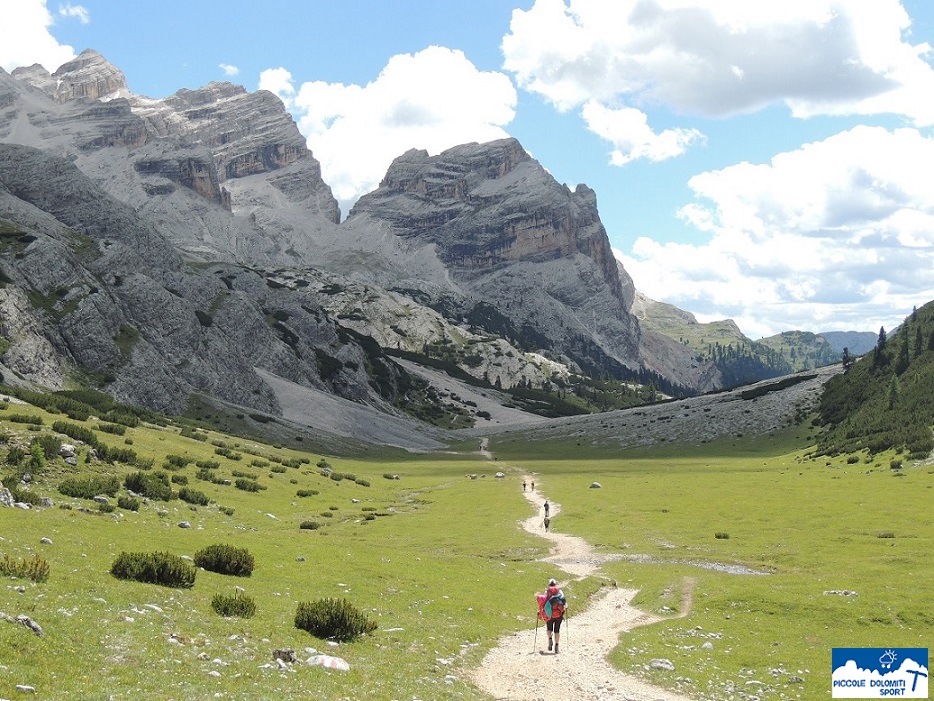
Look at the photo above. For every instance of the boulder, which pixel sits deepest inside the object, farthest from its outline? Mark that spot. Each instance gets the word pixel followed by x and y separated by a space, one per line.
pixel 595 485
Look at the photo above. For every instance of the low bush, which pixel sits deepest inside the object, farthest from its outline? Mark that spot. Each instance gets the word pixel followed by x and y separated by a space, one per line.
pixel 89 487
pixel 309 525
pixel 208 464
pixel 225 559
pixel 154 568
pixel 193 496
pixel 50 445
pixel 721 536
pixel 24 419
pixel 278 469
pixel 239 605
pixel 154 485
pixel 306 492
pixel 128 503
pixel 180 479
pixel 115 429
pixel 15 455
pixel 362 482
pixel 35 568
pixel 105 507
pixel 227 510
pixel 335 619
pixel 110 454
pixel 248 485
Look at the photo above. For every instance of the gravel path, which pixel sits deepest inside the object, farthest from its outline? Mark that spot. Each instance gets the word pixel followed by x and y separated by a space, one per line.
pixel 520 669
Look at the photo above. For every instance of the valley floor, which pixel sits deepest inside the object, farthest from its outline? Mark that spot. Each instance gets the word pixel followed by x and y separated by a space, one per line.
pixel 519 668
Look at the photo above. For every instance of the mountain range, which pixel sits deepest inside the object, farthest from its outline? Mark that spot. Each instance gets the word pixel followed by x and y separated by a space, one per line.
pixel 165 249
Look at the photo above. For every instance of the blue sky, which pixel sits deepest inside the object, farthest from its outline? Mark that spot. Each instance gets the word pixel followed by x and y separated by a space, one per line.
pixel 770 162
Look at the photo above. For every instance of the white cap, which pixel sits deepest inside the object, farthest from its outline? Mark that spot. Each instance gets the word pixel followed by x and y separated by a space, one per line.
pixel 552 583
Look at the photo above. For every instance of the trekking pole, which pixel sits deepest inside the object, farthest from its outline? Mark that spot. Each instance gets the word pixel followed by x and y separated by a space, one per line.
pixel 535 641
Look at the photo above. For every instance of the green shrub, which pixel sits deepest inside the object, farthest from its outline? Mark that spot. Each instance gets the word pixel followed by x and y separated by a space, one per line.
pixel 852 459
pixel 89 487
pixel 208 464
pixel 154 568
pixel 336 476
pixel 24 419
pixel 180 479
pixel 115 429
pixel 35 568
pixel 76 431
pixel 362 482
pixel 721 536
pixel 225 559
pixel 306 492
pixel 248 485
pixel 227 510
pixel 334 619
pixel 110 454
pixel 105 507
pixel 309 525
pixel 15 455
pixel 193 496
pixel 239 605
pixel 245 475
pixel 154 485
pixel 50 445
pixel 279 469
pixel 128 503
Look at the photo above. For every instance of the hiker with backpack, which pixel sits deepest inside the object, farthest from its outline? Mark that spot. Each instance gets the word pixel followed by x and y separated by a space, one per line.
pixel 547 507
pixel 555 604
pixel 546 523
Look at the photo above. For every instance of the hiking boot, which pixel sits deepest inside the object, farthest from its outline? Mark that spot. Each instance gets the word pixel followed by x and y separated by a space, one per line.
pixel 556 649
pixel 549 644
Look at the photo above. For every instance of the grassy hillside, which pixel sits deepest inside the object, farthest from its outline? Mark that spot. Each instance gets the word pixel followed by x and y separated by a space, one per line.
pixel 437 561
pixel 802 350
pixel 884 400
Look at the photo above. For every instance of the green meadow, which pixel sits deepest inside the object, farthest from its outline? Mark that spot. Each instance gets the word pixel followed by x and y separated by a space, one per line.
pixel 437 560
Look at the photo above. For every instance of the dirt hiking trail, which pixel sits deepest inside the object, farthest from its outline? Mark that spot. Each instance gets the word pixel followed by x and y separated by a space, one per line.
pixel 520 668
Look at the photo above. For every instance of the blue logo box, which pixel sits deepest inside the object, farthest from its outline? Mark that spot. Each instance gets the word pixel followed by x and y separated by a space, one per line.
pixel 880 673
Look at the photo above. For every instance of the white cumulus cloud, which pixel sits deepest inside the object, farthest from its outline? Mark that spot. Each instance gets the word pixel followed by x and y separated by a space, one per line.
pixel 79 12
pixel 830 57
pixel 228 69
pixel 25 38
pixel 431 100
pixel 839 231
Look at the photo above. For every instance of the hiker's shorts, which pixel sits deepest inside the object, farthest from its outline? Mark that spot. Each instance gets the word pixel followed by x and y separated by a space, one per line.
pixel 554 625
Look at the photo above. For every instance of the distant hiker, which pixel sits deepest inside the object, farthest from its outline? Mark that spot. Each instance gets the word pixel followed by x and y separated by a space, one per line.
pixel 547 523
pixel 546 507
pixel 533 486
pixel 552 605
pixel 523 485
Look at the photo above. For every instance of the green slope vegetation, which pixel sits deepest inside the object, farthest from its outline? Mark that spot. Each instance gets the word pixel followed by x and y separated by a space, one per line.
pixel 436 559
pixel 885 401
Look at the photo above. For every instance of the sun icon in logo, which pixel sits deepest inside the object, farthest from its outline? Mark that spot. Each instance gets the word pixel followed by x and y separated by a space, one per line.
pixel 887 659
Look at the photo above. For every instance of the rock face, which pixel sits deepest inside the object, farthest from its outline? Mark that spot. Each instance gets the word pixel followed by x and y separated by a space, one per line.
pixel 533 251
pixel 168 247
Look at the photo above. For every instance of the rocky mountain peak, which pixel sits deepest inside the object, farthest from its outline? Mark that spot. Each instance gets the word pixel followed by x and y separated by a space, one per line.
pixel 90 76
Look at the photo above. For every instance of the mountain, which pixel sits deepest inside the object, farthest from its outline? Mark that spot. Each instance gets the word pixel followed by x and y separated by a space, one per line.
pixel 856 342
pixel 163 249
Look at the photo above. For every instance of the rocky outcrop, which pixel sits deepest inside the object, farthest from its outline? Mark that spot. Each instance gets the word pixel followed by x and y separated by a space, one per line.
pixel 534 251
pixel 164 247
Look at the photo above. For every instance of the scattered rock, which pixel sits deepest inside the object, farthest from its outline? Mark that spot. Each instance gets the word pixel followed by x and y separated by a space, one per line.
pixel 46 502
pixel 663 664
pixel 45 541
pixel 101 499
pixel 840 592
pixel 26 689
pixel 184 524
pixel 499 475
pixel 707 646
pixel 6 498
pixel 31 624
pixel 67 450
pixel 300 558
pixel 328 662
pixel 286 655
pixel 596 485
pixel 794 679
